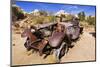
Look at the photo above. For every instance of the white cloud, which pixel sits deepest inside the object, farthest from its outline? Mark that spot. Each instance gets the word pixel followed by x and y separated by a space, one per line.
pixel 74 7
pixel 70 7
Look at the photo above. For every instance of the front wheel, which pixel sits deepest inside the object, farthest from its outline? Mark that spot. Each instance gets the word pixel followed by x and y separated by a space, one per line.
pixel 67 48
pixel 60 52
pixel 63 51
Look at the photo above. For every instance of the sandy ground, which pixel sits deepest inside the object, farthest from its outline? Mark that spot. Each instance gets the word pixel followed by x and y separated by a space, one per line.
pixel 84 50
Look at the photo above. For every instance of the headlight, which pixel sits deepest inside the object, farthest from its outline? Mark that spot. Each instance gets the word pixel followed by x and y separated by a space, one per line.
pixel 32 30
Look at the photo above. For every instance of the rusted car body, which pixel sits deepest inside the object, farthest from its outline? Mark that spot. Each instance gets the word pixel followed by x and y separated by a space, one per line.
pixel 60 41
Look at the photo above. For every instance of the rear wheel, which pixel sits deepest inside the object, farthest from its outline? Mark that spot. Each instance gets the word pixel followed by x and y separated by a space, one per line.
pixel 26 46
pixel 81 30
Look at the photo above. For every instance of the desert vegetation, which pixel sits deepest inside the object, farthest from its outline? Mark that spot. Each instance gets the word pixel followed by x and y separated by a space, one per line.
pixel 41 16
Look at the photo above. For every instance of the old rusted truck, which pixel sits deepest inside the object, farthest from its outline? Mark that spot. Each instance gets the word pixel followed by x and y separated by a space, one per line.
pixel 52 37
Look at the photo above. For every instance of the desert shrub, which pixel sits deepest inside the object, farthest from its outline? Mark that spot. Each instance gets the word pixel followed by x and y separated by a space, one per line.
pixel 43 13
pixel 18 13
pixel 49 19
pixel 69 17
pixel 81 16
pixel 91 20
pixel 84 24
pixel 38 20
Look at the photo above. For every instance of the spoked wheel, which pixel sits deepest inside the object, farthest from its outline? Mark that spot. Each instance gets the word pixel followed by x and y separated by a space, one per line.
pixel 26 44
pixel 66 49
pixel 56 54
pixel 59 53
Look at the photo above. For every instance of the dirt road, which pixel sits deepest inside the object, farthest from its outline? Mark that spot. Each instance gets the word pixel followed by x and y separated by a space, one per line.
pixel 84 50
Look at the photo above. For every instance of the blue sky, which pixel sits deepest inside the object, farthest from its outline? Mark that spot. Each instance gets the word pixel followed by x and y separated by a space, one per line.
pixel 52 7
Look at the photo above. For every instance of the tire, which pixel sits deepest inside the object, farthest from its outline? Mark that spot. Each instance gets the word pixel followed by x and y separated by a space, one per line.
pixel 59 53
pixel 63 51
pixel 67 48
pixel 81 30
pixel 27 47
